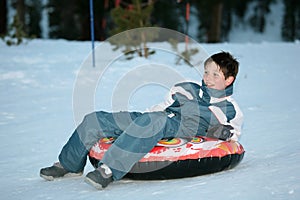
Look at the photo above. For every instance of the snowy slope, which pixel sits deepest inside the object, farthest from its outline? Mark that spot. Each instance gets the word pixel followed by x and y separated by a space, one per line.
pixel 36 119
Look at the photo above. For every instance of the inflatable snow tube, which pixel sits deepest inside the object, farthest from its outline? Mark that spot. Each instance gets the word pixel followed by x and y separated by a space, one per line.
pixel 179 158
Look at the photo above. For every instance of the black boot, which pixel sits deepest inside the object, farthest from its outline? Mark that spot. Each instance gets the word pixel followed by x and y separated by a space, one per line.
pixel 56 171
pixel 100 178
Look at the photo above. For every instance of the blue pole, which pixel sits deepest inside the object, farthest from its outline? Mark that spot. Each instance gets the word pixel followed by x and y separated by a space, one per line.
pixel 92 30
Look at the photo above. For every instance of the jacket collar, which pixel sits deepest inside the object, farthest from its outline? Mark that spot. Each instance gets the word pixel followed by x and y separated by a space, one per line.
pixel 213 93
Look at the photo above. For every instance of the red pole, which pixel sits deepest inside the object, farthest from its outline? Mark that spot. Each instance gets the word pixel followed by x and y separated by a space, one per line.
pixel 117 3
pixel 187 14
pixel 187 18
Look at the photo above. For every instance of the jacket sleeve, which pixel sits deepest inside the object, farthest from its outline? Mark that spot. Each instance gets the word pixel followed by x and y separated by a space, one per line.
pixel 236 122
pixel 169 99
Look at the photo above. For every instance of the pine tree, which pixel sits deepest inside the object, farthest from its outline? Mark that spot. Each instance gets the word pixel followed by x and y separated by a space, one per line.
pixel 167 15
pixel 33 10
pixel 16 32
pixel 291 20
pixel 26 22
pixel 63 19
pixel 136 15
pixel 101 21
pixel 210 17
pixel 258 20
pixel 3 17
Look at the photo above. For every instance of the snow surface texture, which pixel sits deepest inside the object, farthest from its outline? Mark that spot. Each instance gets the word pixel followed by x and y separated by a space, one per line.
pixel 36 119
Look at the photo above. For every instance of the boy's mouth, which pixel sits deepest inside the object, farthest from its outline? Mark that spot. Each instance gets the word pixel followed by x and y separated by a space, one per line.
pixel 209 85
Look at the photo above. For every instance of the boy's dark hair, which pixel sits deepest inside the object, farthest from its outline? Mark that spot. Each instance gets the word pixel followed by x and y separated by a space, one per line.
pixel 227 63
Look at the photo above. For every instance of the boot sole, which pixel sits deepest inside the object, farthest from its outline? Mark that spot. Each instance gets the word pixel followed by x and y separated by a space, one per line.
pixel 68 175
pixel 93 183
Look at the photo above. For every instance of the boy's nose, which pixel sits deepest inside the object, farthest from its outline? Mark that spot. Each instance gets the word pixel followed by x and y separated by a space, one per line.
pixel 207 77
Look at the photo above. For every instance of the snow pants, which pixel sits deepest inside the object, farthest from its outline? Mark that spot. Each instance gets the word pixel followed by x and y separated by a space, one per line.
pixel 137 133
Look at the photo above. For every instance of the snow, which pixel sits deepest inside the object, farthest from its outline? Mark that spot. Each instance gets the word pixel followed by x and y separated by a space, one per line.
pixel 37 117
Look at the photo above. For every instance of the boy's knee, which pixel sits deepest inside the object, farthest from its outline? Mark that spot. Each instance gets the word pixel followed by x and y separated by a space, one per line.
pixel 89 125
pixel 89 116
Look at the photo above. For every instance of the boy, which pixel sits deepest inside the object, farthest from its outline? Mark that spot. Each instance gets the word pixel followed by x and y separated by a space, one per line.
pixel 191 109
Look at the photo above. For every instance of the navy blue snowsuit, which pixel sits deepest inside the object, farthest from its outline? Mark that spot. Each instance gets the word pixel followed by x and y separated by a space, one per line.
pixel 189 114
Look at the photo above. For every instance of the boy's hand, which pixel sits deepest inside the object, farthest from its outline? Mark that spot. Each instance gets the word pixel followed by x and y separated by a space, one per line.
pixel 220 131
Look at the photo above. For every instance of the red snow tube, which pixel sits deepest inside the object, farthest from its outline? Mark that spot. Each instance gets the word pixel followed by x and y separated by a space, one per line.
pixel 179 158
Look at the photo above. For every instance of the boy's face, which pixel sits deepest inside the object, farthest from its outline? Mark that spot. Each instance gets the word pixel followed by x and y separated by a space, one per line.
pixel 214 78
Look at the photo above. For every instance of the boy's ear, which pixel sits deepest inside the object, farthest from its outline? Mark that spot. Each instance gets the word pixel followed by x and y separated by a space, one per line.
pixel 229 80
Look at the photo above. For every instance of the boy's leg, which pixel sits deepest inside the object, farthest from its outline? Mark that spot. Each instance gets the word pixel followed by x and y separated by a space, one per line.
pixel 94 126
pixel 137 140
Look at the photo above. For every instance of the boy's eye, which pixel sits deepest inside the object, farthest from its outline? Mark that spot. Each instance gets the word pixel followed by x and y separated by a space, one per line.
pixel 216 74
